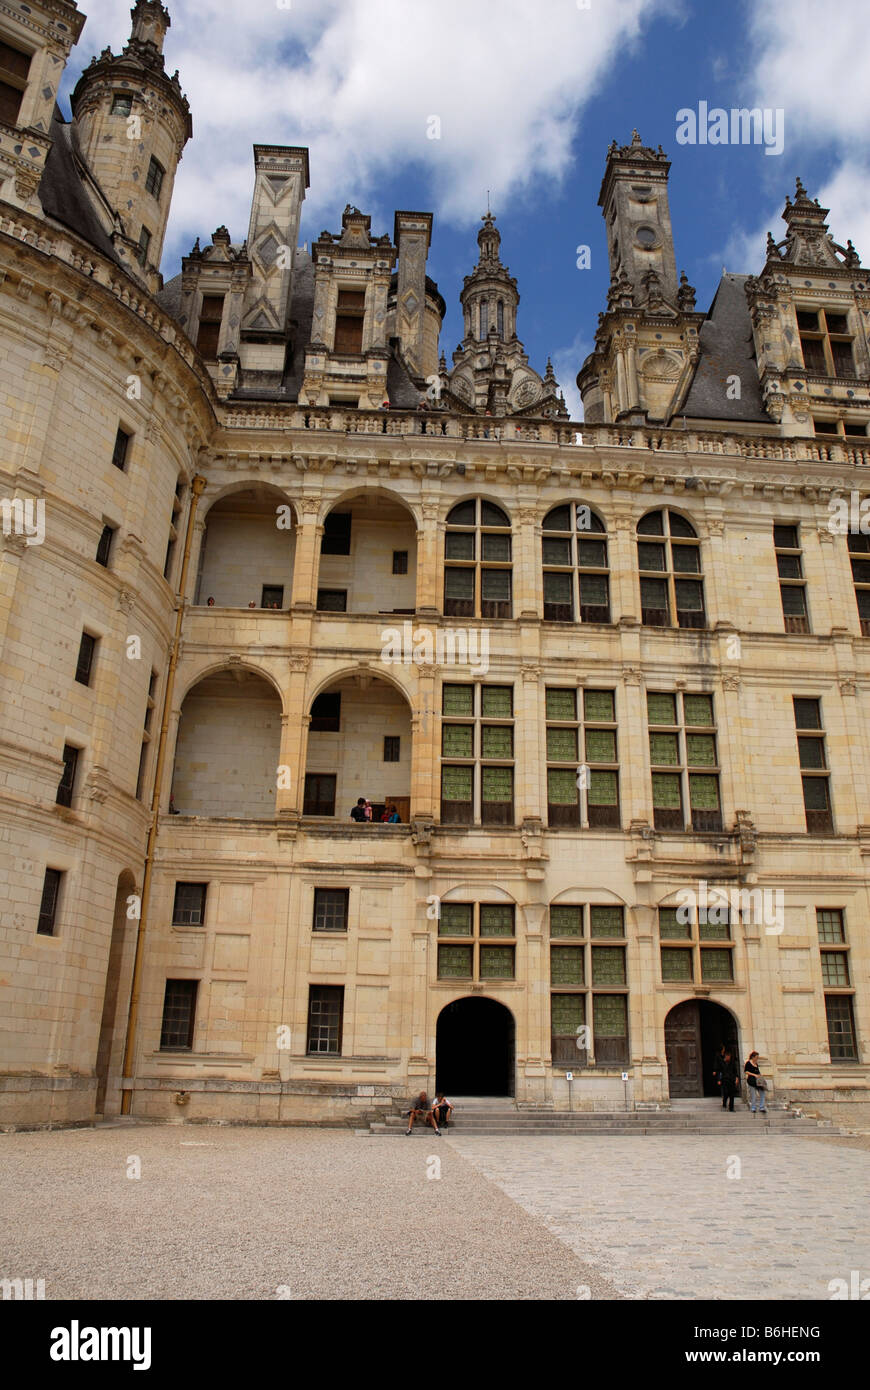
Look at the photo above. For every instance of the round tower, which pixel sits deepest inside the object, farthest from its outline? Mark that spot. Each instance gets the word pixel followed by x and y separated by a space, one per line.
pixel 132 122
pixel 489 296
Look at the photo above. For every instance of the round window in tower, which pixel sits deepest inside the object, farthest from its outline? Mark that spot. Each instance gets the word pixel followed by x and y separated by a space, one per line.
pixel 646 237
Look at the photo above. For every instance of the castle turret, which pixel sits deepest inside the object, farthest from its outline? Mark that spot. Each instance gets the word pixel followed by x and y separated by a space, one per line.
pixel 132 123
pixel 634 197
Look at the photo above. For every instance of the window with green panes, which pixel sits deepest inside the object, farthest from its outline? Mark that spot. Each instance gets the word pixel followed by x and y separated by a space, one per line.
pixel 676 964
pixel 477 555
pixel 697 962
pixel 481 791
pixel 496 962
pixel 716 964
pixel 582 742
pixel 607 921
pixel 574 554
pixel 566 965
pixel 567 1018
pixel 682 739
pixel 579 966
pixel 566 920
pixel 610 1029
pixel 477 959
pixel 456 919
pixel 608 965
pixel 837 978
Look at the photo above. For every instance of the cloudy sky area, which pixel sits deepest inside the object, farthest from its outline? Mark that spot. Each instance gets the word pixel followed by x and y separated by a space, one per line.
pixel 528 96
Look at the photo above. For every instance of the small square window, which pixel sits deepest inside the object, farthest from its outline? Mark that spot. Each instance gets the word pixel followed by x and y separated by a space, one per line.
pixel 188 910
pixel 330 909
pixel 326 714
pixel 273 596
pixel 332 600
pixel 392 748
pixel 400 562
pixel 122 104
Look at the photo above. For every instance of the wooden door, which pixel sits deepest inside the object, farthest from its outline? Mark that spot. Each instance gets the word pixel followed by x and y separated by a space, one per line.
pixel 683 1050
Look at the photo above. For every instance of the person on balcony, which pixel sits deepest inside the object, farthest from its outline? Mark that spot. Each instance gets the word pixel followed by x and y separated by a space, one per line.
pixel 358 812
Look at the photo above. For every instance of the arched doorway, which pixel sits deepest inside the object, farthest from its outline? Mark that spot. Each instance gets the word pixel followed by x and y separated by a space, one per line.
pixel 694 1032
pixel 475 1049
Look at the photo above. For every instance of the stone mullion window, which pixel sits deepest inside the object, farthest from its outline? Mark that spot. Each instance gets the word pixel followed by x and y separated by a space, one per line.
pixel 574 742
pixel 826 343
pixel 601 757
pixel 477 755
pixel 588 983
pixel 476 941
pixel 575 566
pixel 859 559
pixel 684 761
pixel 671 578
pixel 687 953
pixel 837 984
pixel 792 587
pixel 814 766
pixel 478 562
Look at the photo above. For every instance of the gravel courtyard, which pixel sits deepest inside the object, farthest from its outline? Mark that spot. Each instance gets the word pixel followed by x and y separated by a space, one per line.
pixel 232 1213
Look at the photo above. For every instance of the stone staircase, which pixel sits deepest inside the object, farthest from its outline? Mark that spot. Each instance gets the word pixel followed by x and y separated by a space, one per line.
pixel 486 1116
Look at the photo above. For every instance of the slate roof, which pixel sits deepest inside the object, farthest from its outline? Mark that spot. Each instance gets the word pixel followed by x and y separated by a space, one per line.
pixel 62 192
pixel 726 350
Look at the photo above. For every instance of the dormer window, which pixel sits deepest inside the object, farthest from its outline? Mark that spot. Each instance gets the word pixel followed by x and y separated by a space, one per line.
pixel 14 70
pixel 122 104
pixel 210 316
pixel 826 342
pixel 349 316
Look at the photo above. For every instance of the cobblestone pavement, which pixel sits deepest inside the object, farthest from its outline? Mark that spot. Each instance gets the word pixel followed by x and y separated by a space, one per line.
pixel 230 1213
pixel 662 1217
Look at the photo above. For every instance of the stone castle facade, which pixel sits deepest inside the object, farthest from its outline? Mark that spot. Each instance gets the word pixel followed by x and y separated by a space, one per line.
pixel 264 553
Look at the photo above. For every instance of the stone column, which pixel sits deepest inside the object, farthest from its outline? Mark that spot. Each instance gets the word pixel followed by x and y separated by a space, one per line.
pixel 622 554
pixel 14 549
pixel 831 592
pixel 306 563
pixel 430 562
pixel 294 740
pixel 425 749
pixel 528 583
pixel 634 764
pixel 529 727
pixel 736 791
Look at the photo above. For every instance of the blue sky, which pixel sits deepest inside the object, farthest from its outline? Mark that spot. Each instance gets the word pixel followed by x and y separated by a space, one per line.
pixel 529 97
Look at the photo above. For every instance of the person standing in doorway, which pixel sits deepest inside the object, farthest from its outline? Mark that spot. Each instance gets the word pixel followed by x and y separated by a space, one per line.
pixel 730 1080
pixel 717 1070
pixel 756 1083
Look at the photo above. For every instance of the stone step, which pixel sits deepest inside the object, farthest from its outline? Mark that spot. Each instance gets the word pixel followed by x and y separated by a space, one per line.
pixel 505 1131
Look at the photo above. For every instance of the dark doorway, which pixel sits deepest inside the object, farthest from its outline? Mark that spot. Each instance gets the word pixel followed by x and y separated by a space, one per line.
pixel 694 1032
pixel 475 1049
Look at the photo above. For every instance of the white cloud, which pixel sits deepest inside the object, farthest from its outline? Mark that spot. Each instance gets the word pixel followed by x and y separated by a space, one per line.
pixel 357 80
pixel 818 73
pixel 567 362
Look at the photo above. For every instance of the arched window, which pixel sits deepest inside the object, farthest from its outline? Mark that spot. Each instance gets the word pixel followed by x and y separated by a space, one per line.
pixel 477 556
pixel 671 583
pixel 484 318
pixel 576 581
pixel 500 315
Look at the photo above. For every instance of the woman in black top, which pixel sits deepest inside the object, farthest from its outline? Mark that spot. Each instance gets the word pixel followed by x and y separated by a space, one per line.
pixel 756 1092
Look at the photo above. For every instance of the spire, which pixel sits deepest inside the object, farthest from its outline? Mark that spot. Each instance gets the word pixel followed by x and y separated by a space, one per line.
pixel 488 238
pixel 150 22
